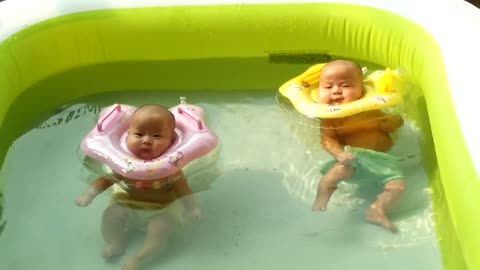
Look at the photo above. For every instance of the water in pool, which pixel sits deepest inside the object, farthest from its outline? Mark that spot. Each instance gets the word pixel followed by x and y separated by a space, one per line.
pixel 255 195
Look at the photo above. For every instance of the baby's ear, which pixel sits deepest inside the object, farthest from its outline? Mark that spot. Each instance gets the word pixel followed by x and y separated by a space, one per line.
pixel 365 85
pixel 364 90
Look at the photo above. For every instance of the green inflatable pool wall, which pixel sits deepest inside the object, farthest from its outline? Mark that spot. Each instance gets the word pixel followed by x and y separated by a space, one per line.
pixel 255 48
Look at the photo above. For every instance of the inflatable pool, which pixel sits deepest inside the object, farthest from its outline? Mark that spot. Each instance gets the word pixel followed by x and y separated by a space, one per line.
pixel 235 45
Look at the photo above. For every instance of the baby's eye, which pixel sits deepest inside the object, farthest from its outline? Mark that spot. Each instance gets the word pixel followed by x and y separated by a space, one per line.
pixel 346 85
pixel 138 134
pixel 156 136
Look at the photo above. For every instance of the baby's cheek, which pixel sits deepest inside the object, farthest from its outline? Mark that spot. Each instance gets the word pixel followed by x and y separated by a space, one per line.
pixel 132 146
pixel 323 98
pixel 162 146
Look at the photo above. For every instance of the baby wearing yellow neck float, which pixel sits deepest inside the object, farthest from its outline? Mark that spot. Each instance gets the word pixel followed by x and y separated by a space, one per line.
pixel 357 142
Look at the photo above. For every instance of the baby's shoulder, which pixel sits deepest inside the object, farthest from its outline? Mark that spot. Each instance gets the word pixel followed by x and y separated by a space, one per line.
pixel 374 113
pixel 369 115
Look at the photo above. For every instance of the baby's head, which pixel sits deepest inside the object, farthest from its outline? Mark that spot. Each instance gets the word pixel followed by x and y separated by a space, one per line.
pixel 341 81
pixel 151 131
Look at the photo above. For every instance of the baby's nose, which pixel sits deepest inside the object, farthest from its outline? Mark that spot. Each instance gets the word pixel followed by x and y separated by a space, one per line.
pixel 146 141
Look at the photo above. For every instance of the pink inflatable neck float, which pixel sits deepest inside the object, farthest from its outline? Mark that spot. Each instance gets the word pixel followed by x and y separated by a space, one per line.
pixel 107 143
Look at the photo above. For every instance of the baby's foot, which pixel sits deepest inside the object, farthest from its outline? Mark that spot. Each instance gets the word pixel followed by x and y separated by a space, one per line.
pixel 323 197
pixel 377 216
pixel 319 205
pixel 112 250
pixel 131 264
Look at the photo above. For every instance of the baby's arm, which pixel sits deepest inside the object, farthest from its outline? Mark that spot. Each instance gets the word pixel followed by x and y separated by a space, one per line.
pixel 389 123
pixel 95 188
pixel 184 193
pixel 331 143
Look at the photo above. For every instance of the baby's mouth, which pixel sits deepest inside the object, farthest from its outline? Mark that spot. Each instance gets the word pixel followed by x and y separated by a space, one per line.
pixel 144 152
pixel 336 101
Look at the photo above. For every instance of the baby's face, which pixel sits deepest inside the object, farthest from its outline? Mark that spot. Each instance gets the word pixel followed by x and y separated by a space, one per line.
pixel 340 83
pixel 150 135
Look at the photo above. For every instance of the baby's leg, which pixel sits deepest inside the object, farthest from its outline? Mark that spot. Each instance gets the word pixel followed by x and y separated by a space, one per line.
pixel 377 213
pixel 328 184
pixel 157 236
pixel 114 221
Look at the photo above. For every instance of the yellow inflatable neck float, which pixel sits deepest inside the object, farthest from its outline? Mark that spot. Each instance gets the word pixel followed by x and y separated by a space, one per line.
pixel 382 91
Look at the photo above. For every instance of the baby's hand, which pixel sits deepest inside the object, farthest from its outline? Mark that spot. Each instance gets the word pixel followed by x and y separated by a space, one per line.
pixel 345 157
pixel 83 200
pixel 193 215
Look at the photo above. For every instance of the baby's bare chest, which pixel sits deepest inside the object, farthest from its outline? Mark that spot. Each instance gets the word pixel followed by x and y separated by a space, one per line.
pixel 357 124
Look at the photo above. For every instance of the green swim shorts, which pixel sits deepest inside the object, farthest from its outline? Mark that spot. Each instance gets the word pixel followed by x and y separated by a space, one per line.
pixel 370 165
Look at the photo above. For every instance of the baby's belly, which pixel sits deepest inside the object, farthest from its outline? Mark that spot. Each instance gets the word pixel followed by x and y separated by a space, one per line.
pixel 374 140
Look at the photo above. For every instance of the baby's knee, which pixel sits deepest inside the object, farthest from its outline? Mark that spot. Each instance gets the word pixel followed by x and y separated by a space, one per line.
pixel 343 170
